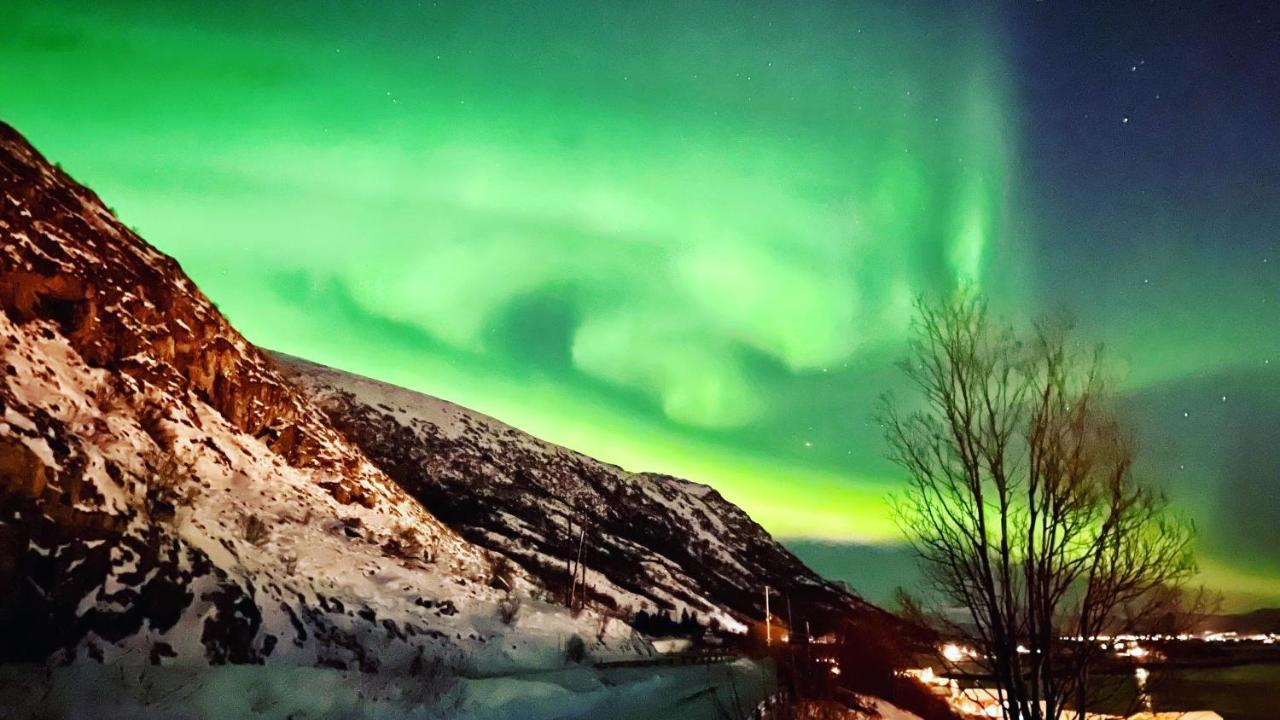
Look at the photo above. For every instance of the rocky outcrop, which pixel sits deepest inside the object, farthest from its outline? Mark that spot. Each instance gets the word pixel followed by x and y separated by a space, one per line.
pixel 167 496
pixel 171 493
pixel 127 308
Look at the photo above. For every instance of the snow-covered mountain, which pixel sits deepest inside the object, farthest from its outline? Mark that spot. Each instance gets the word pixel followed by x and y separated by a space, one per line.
pixel 173 496
pixel 646 541
pixel 167 496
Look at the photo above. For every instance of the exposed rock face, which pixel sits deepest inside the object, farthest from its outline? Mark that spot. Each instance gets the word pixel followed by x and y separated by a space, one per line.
pixel 169 493
pixel 167 496
pixel 651 542
pixel 126 307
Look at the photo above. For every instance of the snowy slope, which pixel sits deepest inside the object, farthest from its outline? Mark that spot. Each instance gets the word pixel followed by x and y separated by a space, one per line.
pixel 652 542
pixel 166 496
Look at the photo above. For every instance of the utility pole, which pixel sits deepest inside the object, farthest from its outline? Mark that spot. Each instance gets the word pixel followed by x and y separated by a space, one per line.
pixel 571 573
pixel 768 621
pixel 573 587
pixel 808 641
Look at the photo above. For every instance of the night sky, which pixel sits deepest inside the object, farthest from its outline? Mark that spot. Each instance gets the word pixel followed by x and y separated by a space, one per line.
pixel 685 236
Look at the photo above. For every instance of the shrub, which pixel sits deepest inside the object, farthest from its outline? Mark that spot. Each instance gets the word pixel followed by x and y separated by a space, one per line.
pixel 255 531
pixel 163 494
pixel 502 573
pixel 575 650
pixel 405 544
pixel 508 610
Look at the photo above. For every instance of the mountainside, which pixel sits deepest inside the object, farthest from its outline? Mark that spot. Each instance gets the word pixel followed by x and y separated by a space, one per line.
pixel 166 494
pixel 171 495
pixel 647 542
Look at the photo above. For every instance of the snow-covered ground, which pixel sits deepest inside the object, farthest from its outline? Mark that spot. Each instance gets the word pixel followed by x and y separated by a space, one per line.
pixel 713 692
pixel 318 573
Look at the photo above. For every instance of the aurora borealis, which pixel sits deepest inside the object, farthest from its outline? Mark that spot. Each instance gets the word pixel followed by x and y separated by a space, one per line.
pixel 685 236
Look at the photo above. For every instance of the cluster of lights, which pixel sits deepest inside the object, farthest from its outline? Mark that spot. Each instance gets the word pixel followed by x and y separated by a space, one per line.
pixel 1231 637
pixel 1234 637
pixel 958 653
pixel 1130 649
pixel 928 677
pixel 835 666
pixel 1128 645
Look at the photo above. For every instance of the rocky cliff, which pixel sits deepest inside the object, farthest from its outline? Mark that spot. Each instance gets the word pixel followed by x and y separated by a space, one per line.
pixel 167 496
pixel 170 493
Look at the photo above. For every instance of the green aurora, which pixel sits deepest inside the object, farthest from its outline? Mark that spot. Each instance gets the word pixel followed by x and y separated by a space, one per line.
pixel 679 238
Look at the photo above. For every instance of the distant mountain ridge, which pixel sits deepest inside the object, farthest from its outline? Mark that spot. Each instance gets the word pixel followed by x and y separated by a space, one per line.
pixel 652 542
pixel 1261 621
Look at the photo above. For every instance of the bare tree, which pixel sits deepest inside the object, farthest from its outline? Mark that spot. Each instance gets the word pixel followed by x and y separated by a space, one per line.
pixel 1022 504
